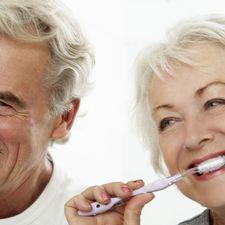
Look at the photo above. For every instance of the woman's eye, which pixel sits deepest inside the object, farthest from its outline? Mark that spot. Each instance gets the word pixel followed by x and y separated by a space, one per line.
pixel 214 103
pixel 165 123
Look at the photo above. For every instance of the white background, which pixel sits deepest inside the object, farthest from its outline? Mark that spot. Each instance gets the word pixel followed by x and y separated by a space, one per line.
pixel 103 145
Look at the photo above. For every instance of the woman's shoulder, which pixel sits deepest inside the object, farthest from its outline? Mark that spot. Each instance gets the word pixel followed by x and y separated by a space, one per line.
pixel 201 219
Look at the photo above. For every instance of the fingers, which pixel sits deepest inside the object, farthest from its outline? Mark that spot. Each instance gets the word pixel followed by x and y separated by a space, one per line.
pixel 103 193
pixel 96 193
pixel 79 202
pixel 72 206
pixel 129 212
pixel 135 184
pixel 132 212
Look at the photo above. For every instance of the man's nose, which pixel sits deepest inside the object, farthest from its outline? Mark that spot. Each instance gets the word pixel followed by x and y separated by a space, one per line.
pixel 197 133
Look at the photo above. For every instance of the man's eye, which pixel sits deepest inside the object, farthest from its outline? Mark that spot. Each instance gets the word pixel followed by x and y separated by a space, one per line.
pixel 6 109
pixel 3 104
pixel 165 123
pixel 214 103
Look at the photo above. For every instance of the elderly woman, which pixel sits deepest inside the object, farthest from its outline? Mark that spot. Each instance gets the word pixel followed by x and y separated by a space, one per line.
pixel 181 112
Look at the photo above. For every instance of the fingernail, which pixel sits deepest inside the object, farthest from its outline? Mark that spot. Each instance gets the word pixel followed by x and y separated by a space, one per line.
pixel 137 181
pixel 86 205
pixel 126 189
pixel 105 196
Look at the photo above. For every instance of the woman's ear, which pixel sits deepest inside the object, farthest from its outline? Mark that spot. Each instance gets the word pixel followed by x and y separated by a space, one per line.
pixel 64 121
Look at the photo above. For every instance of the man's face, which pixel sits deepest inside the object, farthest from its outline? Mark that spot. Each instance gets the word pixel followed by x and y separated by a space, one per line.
pixel 25 123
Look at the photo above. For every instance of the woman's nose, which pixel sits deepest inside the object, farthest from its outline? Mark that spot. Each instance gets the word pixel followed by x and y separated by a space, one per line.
pixel 197 134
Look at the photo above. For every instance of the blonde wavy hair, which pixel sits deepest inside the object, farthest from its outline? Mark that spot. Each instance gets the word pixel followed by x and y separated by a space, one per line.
pixel 157 59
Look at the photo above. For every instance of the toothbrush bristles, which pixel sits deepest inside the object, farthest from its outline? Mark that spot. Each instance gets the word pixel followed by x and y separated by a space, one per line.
pixel 211 165
pixel 207 166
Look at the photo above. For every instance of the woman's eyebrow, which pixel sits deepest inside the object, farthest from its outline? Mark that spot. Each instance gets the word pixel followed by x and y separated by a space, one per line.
pixel 201 90
pixel 164 106
pixel 10 97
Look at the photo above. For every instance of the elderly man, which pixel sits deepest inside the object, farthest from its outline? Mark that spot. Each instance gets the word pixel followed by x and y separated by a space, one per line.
pixel 44 67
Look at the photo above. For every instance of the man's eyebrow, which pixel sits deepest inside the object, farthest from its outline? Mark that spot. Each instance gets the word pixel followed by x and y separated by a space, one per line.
pixel 10 97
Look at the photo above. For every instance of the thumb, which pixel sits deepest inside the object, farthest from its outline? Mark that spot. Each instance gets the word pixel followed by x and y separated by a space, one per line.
pixel 134 208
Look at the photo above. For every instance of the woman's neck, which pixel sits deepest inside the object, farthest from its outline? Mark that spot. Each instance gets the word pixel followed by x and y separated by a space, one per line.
pixel 218 217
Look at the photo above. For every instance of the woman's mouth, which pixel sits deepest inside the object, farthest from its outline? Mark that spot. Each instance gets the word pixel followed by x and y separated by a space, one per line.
pixel 209 166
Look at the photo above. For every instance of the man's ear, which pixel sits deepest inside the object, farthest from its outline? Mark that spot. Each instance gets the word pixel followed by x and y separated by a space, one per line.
pixel 65 121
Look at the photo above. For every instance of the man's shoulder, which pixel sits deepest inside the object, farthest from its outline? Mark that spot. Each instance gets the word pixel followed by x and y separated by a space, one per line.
pixel 200 219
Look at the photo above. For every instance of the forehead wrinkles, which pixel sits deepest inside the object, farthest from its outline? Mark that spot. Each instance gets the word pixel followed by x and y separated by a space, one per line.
pixel 206 61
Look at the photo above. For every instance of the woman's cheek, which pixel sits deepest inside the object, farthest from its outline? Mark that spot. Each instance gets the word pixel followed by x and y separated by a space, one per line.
pixel 171 147
pixel 216 121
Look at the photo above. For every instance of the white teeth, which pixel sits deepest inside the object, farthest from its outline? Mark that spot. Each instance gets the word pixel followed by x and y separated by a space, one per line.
pixel 210 165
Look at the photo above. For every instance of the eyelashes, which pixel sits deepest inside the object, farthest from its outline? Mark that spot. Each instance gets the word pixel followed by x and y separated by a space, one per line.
pixel 167 122
pixel 6 109
pixel 212 105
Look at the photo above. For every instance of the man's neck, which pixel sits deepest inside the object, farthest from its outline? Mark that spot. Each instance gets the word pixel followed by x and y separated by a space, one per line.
pixel 15 201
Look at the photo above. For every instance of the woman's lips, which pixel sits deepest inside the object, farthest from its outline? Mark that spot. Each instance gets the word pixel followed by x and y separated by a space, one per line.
pixel 202 159
pixel 210 175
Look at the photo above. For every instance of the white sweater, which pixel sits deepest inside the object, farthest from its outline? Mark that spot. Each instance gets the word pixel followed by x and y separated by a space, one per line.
pixel 48 209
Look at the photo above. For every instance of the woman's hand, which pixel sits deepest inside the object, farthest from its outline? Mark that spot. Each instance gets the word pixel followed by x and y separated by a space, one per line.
pixel 126 214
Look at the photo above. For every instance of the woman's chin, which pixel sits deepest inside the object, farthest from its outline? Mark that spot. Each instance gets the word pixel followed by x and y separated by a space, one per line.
pixel 212 199
pixel 214 203
pixel 208 193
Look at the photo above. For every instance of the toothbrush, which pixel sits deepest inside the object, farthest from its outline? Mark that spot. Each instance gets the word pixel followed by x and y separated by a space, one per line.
pixel 158 185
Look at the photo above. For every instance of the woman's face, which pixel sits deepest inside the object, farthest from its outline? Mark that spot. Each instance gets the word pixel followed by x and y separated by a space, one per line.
pixel 189 110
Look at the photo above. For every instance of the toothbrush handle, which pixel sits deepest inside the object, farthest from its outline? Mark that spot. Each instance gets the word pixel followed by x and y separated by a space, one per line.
pixel 98 208
pixel 157 185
